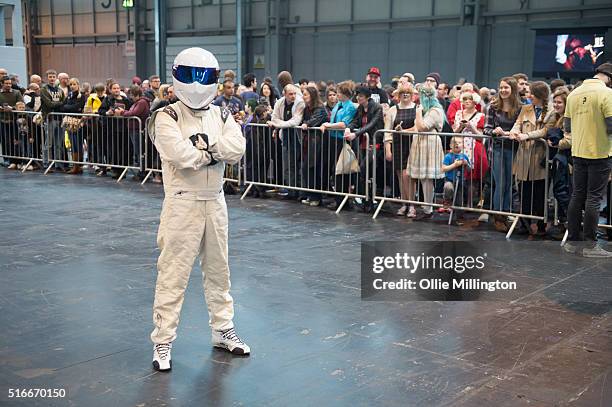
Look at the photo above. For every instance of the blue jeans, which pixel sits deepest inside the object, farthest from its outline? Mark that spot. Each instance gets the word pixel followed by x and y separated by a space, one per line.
pixel 501 169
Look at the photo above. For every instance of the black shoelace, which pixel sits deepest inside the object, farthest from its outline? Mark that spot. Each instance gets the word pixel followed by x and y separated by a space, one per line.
pixel 230 334
pixel 162 350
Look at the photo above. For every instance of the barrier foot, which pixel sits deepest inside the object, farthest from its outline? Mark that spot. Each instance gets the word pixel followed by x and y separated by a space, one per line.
pixel 122 175
pixel 49 168
pixel 342 204
pixel 380 205
pixel 146 177
pixel 246 191
pixel 25 167
pixel 565 237
pixel 514 223
pixel 450 217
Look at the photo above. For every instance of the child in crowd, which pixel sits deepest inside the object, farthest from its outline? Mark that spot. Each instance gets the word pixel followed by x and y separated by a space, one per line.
pixel 453 166
pixel 24 143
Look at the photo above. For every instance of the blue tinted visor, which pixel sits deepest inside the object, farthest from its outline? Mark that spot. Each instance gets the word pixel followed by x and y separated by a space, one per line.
pixel 190 74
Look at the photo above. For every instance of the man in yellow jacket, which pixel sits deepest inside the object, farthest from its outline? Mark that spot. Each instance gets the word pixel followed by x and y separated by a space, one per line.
pixel 588 121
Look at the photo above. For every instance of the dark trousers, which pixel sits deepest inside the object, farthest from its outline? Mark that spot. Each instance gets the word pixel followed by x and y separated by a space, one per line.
pixel 590 181
pixel 9 136
pixel 276 154
pixel 561 184
pixel 258 150
pixel 312 168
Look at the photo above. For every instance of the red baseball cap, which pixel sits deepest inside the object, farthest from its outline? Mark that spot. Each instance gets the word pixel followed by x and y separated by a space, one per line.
pixel 374 71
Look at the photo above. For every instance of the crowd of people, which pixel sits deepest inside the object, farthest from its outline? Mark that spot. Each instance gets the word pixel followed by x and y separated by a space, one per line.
pixel 496 152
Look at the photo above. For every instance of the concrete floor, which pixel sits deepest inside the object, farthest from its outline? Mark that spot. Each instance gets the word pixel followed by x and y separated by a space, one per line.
pixel 77 274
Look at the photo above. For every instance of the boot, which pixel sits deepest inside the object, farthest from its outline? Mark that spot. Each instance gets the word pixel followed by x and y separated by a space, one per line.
pixel 76 168
pixel 500 223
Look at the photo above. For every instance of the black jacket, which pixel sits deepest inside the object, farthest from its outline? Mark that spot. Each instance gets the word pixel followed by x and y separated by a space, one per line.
pixel 315 118
pixel 375 121
pixel 109 102
pixel 74 103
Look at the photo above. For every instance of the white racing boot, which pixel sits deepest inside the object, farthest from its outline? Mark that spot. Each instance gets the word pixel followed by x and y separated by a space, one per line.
pixel 162 359
pixel 229 341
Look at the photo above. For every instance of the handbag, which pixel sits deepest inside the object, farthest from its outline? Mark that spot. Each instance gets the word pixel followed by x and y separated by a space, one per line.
pixel 347 161
pixel 71 123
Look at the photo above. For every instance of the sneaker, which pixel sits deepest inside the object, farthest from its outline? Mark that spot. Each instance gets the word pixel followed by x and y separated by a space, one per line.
pixel 12 166
pixel 29 168
pixel 570 248
pixel 161 357
pixel 412 212
pixel 596 252
pixel 484 218
pixel 306 201
pixel 19 166
pixel 402 211
pixel 314 203
pixel 229 341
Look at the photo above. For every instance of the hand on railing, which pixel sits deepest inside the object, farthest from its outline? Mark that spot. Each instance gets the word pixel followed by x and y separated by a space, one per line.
pixel 348 135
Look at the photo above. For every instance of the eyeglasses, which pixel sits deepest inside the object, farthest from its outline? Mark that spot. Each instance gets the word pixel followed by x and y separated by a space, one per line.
pixel 190 74
pixel 466 99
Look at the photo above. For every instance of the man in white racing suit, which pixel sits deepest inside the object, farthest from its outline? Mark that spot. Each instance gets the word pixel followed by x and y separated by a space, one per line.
pixel 195 139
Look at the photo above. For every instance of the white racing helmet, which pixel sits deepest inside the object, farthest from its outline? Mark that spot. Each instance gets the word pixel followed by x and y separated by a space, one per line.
pixel 195 73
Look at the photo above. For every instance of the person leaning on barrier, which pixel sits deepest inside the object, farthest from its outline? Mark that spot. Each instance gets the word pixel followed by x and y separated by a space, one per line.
pixel 74 103
pixel 258 146
pixel 367 121
pixel 469 121
pixel 531 161
pixel 8 130
pixel 341 117
pixel 312 163
pixel 195 140
pixel 426 151
pixel 52 99
pixel 139 109
pixel 588 121
pixel 560 175
pixel 397 146
pixel 114 141
pixel 500 118
pixel 287 114
pixel 31 97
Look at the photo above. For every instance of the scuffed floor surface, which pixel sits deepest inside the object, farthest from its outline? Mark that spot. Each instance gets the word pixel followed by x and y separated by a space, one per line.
pixel 77 275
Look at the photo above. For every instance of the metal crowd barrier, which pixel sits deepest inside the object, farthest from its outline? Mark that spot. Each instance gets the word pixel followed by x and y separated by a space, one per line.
pixel 21 138
pixel 152 161
pixel 306 160
pixel 112 141
pixel 412 174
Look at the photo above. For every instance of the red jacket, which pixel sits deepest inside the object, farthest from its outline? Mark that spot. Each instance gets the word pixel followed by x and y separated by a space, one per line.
pixel 139 109
pixel 452 110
